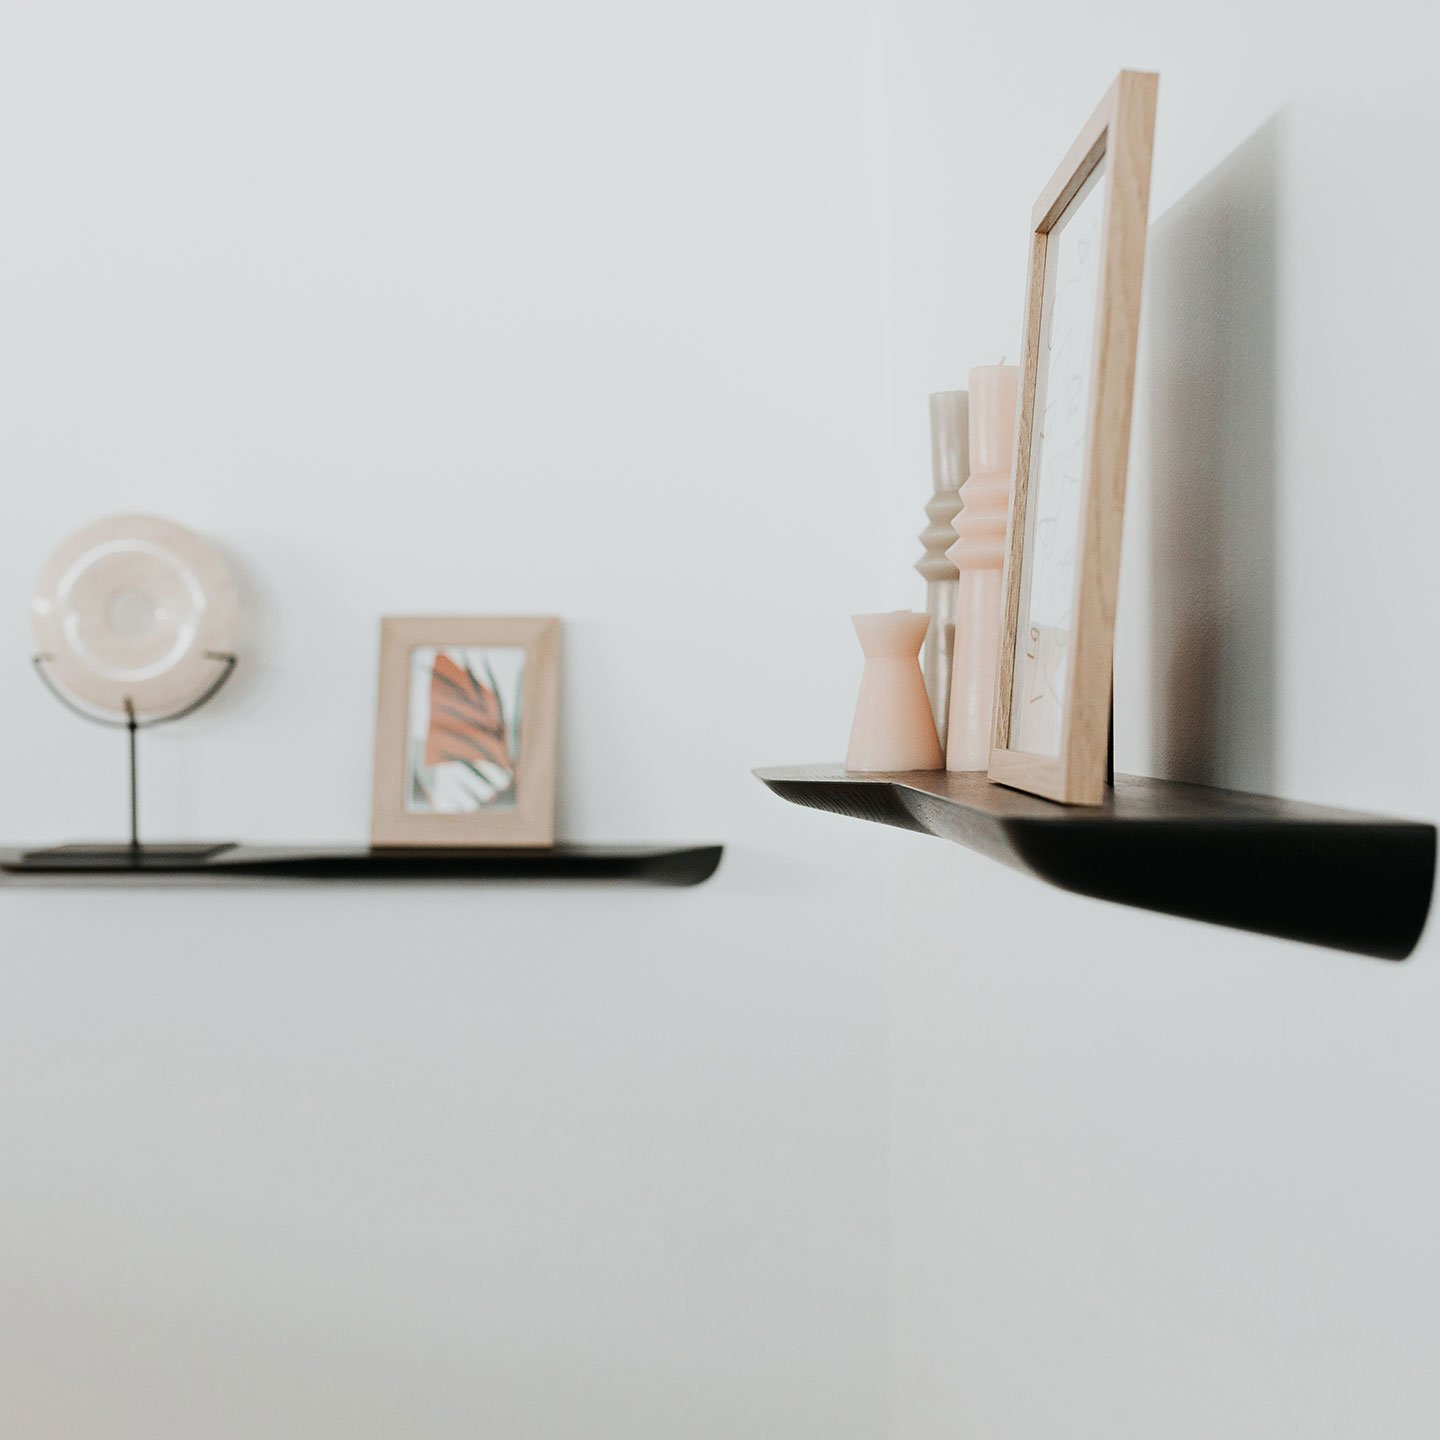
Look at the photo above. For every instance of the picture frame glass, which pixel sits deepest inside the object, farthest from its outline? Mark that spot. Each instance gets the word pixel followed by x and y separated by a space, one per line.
pixel 1064 387
pixel 463 732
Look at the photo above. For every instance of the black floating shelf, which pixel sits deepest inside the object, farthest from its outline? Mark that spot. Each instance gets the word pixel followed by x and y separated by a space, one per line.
pixel 1302 872
pixel 654 865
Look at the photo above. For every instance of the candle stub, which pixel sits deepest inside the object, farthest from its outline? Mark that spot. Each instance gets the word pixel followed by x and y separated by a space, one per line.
pixel 893 729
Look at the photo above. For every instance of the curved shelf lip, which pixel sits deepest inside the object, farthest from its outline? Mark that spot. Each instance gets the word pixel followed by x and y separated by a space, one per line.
pixel 247 864
pixel 1336 878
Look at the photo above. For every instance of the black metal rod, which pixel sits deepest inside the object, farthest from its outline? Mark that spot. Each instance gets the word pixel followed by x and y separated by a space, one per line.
pixel 133 726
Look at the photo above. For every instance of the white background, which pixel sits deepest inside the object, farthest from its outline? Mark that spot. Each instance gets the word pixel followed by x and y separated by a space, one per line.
pixel 629 315
pixel 1149 1179
pixel 449 309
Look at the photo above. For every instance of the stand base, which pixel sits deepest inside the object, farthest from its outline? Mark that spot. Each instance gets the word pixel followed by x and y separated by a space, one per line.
pixel 121 857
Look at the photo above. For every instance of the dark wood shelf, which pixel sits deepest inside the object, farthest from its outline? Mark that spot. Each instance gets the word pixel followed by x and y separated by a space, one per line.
pixel 654 865
pixel 1337 878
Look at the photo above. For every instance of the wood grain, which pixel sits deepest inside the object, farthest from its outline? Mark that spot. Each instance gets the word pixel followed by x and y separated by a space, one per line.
pixel 1121 132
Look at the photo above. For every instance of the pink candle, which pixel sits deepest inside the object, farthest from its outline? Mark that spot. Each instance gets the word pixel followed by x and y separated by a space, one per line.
pixel 979 555
pixel 894 729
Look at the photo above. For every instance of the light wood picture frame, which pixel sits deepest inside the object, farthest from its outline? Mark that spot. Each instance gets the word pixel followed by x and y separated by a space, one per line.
pixel 1072 443
pixel 466 732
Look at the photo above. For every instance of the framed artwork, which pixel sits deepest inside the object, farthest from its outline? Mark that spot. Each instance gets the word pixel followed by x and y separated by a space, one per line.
pixel 1072 446
pixel 466 732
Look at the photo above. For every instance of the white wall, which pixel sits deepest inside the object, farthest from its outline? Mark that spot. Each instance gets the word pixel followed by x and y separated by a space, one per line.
pixel 603 312
pixel 437 308
pixel 1151 1179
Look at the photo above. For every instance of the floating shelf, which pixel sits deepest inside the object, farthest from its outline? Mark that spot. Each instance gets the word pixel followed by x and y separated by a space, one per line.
pixel 1327 877
pixel 238 864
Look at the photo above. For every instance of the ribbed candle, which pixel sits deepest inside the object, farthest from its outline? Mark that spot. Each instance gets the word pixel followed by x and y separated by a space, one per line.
pixel 979 555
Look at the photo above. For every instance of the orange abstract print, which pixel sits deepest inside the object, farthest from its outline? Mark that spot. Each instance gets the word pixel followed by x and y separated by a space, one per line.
pixel 467 724
pixel 463 748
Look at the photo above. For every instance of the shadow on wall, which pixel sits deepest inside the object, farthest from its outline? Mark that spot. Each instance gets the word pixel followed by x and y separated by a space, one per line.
pixel 1211 393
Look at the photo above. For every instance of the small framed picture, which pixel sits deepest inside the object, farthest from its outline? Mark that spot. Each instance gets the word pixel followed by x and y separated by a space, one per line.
pixel 1072 445
pixel 466 733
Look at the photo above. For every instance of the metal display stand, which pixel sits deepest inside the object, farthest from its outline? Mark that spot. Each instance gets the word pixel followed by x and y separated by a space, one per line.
pixel 134 854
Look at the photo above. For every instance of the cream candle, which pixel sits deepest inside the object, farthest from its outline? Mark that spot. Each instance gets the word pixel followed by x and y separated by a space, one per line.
pixel 949 465
pixel 979 555
pixel 894 729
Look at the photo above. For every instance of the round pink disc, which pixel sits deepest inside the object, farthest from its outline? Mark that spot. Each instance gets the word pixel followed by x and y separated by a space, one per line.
pixel 134 607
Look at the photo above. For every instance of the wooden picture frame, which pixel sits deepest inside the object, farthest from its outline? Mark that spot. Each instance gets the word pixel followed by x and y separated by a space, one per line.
pixel 1054 669
pixel 466 732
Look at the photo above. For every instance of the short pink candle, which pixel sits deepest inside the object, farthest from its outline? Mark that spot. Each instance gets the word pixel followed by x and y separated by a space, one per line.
pixel 979 555
pixel 894 728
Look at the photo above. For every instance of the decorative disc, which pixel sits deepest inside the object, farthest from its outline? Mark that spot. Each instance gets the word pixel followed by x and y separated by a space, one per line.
pixel 134 607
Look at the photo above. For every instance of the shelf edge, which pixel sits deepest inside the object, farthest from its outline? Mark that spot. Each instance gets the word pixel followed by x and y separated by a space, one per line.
pixel 1358 883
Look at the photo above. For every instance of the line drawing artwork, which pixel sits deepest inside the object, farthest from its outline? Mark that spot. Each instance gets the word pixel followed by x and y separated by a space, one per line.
pixel 1068 316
